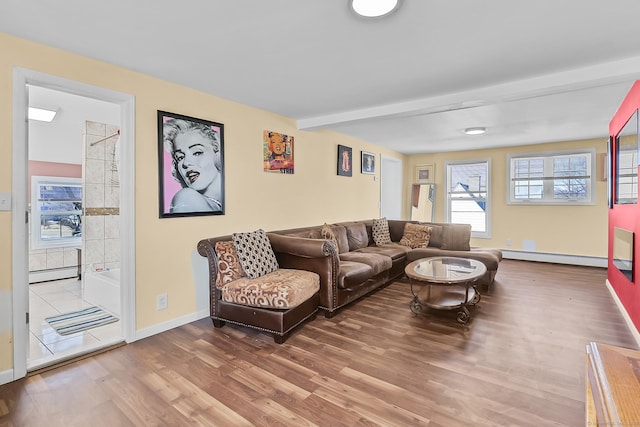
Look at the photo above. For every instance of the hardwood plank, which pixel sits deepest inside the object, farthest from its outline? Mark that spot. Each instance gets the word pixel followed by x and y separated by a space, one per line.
pixel 519 361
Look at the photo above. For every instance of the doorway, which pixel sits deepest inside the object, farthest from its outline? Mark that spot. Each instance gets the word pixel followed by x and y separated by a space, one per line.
pixel 74 224
pixel 66 294
pixel 390 188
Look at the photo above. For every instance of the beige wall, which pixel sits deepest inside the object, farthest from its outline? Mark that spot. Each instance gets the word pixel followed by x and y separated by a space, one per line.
pixel 254 199
pixel 567 230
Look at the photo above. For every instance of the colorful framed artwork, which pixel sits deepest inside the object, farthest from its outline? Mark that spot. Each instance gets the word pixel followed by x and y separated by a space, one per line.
pixel 277 152
pixel 345 161
pixel 425 174
pixel 367 162
pixel 190 165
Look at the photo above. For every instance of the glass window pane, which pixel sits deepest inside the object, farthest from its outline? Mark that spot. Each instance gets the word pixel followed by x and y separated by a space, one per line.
pixel 467 195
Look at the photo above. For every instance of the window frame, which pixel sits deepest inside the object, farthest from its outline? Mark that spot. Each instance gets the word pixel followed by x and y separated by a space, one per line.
pixel 447 206
pixel 548 156
pixel 37 242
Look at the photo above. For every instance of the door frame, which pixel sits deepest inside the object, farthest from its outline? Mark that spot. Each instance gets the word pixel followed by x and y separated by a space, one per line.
pixel 20 161
pixel 391 175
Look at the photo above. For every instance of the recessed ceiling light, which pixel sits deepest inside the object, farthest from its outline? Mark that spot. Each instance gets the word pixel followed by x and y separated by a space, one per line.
pixel 374 8
pixel 475 131
pixel 41 114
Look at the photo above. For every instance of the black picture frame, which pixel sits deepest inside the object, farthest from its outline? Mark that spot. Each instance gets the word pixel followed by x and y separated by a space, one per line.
pixel 190 166
pixel 367 163
pixel 345 160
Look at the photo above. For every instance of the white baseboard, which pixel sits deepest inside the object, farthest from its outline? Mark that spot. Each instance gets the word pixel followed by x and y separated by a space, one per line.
pixel 555 258
pixel 627 319
pixel 55 274
pixel 6 376
pixel 173 323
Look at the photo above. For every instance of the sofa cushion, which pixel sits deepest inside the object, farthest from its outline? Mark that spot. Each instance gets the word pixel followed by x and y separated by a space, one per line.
pixel 229 268
pixel 353 274
pixel 456 237
pixel 435 240
pixel 396 229
pixel 416 235
pixel 393 250
pixel 380 231
pixel 378 262
pixel 340 232
pixel 282 289
pixel 255 253
pixel 357 235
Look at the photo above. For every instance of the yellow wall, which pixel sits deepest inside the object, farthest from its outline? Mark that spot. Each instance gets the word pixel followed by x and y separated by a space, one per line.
pixel 567 230
pixel 253 199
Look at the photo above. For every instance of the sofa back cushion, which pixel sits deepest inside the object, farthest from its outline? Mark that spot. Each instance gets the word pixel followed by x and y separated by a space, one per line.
pixel 340 231
pixel 435 241
pixel 357 235
pixel 456 237
pixel 338 235
pixel 396 229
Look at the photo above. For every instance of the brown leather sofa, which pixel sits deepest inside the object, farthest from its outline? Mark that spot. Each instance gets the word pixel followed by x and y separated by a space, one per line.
pixel 280 323
pixel 358 266
pixel 347 271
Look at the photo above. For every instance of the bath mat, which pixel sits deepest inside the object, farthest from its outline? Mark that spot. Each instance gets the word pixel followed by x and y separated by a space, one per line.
pixel 77 321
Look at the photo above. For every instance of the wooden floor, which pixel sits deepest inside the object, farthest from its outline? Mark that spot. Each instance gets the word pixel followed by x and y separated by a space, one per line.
pixel 519 362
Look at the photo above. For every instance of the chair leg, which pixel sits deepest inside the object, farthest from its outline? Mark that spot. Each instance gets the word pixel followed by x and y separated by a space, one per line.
pixel 218 323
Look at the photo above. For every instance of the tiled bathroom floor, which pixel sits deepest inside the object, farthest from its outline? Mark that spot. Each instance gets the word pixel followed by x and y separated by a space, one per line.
pixel 46 346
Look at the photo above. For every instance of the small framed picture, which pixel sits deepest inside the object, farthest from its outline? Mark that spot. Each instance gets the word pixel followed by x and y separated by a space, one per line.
pixel 367 162
pixel 191 166
pixel 345 161
pixel 277 149
pixel 425 173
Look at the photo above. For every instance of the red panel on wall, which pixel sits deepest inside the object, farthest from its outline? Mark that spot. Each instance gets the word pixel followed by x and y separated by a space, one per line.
pixel 625 216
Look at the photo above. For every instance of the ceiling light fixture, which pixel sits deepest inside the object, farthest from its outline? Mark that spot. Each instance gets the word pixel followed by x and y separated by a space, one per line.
pixel 475 131
pixel 41 114
pixel 374 8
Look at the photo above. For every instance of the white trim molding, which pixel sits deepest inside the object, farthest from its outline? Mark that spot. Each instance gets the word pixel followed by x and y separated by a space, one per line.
pixel 555 258
pixel 173 323
pixel 625 314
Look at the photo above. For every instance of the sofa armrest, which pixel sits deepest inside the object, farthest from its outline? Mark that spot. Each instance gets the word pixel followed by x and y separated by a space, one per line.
pixel 300 246
pixel 315 255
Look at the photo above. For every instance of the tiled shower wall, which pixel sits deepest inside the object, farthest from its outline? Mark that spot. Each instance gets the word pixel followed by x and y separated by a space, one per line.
pixel 101 223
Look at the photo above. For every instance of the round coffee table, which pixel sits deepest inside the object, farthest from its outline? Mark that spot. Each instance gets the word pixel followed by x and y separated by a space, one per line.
pixel 448 284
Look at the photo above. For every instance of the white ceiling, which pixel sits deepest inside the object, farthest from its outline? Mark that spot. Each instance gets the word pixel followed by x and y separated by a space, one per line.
pixel 61 140
pixel 532 72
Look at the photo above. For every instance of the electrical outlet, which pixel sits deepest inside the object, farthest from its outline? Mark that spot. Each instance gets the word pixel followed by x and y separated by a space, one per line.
pixel 5 201
pixel 162 302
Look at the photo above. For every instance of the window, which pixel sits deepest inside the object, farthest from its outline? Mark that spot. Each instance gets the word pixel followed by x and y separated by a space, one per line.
pixel 56 211
pixel 467 185
pixel 552 178
pixel 627 179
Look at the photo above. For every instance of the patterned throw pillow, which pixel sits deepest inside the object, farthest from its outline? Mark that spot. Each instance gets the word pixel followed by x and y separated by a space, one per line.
pixel 255 253
pixel 229 268
pixel 380 231
pixel 416 236
pixel 327 233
